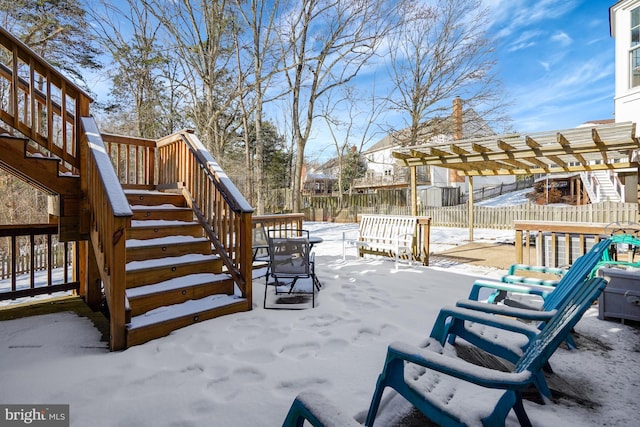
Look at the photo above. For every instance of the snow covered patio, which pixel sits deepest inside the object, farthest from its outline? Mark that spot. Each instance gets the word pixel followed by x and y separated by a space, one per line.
pixel 245 369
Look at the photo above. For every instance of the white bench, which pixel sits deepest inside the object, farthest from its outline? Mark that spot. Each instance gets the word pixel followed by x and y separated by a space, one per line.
pixel 385 234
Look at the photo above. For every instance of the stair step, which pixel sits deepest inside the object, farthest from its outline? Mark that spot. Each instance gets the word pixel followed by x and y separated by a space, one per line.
pixel 162 321
pixel 162 247
pixel 160 228
pixel 165 211
pixel 180 289
pixel 140 273
pixel 154 198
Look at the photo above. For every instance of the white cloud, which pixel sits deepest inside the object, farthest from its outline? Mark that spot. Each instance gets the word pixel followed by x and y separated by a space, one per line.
pixel 525 40
pixel 561 38
pixel 511 16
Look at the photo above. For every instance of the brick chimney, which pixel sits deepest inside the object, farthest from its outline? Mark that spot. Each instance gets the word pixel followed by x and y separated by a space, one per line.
pixel 457 118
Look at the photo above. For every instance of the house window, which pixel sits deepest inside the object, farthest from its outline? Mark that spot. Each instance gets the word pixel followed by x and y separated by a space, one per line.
pixel 635 47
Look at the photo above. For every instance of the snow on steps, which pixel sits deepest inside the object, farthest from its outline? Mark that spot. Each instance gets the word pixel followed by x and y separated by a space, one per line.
pixel 178 290
pixel 173 277
pixel 162 247
pixel 163 320
pixel 140 273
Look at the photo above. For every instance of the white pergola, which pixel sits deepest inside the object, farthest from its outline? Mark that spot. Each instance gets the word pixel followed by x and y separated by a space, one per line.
pixel 603 147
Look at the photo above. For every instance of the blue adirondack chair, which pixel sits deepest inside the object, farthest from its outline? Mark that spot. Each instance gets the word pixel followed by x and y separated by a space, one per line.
pixel 620 239
pixel 318 411
pixel 552 295
pixel 447 389
pixel 486 331
pixel 512 275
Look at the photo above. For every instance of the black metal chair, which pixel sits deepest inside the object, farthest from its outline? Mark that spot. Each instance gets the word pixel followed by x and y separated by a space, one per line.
pixel 290 260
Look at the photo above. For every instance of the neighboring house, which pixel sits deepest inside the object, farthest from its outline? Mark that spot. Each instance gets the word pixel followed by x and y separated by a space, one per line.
pixel 624 22
pixel 383 170
pixel 321 179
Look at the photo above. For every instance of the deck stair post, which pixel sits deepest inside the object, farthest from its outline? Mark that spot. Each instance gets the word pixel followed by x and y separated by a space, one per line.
pixel 173 277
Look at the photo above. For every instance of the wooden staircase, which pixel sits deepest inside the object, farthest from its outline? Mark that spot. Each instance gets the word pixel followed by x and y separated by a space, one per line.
pixel 161 261
pixel 173 277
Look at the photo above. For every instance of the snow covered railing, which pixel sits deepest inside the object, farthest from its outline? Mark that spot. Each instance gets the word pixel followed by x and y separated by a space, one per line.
pixel 184 163
pixel 110 216
pixel 40 102
pixel 278 222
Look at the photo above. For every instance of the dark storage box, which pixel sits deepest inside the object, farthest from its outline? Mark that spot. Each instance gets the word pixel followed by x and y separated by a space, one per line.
pixel 621 298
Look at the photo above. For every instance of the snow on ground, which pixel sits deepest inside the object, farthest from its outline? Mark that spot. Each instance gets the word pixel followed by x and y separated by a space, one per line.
pixel 245 369
pixel 507 199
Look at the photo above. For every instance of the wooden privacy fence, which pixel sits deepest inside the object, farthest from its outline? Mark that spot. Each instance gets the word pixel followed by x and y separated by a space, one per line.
pixel 505 217
pixel 492 217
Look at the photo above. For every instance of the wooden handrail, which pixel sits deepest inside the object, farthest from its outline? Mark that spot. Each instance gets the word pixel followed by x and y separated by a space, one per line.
pixel 220 207
pixel 110 217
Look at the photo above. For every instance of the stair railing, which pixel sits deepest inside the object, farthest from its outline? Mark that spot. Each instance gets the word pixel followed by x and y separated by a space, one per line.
pixel 218 204
pixel 39 102
pixel 590 183
pixel 133 160
pixel 110 216
pixel 618 186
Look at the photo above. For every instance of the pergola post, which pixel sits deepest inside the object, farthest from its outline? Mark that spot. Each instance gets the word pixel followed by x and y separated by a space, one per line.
pixel 470 201
pixel 414 190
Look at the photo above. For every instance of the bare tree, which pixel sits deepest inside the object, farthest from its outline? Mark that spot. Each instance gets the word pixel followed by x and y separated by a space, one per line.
pixel 326 43
pixel 439 52
pixel 259 19
pixel 198 37
pixel 138 65
pixel 57 30
pixel 351 123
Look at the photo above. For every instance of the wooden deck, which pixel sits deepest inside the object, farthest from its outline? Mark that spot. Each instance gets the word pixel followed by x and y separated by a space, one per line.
pixel 73 304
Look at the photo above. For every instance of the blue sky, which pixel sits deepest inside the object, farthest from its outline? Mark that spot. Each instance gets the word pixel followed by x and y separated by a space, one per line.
pixel 554 57
pixel 556 60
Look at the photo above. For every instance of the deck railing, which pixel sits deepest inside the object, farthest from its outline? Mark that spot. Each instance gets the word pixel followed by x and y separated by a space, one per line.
pixel 39 262
pixel 40 102
pixel 278 222
pixel 110 217
pixel 133 159
pixel 183 162
pixel 555 243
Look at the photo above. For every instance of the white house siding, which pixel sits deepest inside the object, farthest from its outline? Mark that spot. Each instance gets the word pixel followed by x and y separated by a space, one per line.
pixel 627 99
